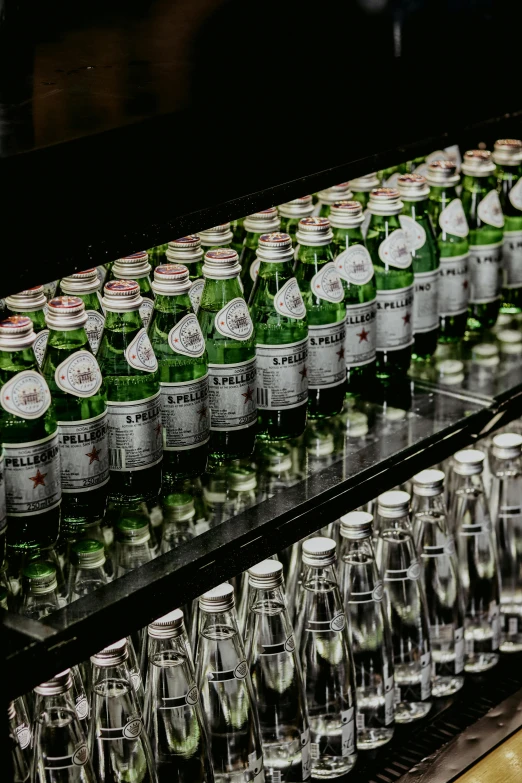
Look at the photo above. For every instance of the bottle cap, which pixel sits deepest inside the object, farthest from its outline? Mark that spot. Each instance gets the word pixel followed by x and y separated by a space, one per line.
pixel 60 683
pixel 132 267
pixel 133 529
pixel 507 445
pixel 393 504
pixel 178 507
pixel 275 247
pixel 40 576
pixel 266 575
pixel 364 184
pixel 88 553
pixel 356 525
pixel 221 264
pixel 16 333
pixel 340 192
pixel 485 355
pixel 121 296
pixel 169 626
pixel 507 152
pixel 385 201
pixel 346 214
pixel 263 222
pixel 428 483
pixel 216 236
pixel 510 341
pixel 468 462
pixel 451 371
pixel 27 301
pixel 112 655
pixel 86 282
pixel 219 599
pixel 185 250
pixel 319 551
pixel 314 231
pixel 241 479
pixel 442 172
pixel 478 163
pixel 65 313
pixel 413 187
pixel 298 208
pixel 171 279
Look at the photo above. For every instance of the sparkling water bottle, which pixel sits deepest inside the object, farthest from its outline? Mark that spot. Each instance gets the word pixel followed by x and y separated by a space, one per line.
pixel 20 737
pixel 86 572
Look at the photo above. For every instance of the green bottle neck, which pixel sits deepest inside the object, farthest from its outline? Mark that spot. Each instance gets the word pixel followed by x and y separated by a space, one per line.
pixel 415 209
pixel 122 322
pixel 70 340
pixel 481 185
pixel 344 237
pixel 13 362
pixel 315 255
pixel 442 195
pixel 176 304
pixel 216 293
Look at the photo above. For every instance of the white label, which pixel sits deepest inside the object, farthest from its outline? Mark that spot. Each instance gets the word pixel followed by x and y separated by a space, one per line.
pixel 452 219
pixel 26 395
pixel 366 222
pixel 234 321
pixel 79 758
pixel 425 310
pixel 186 337
pixel 425 676
pixel 146 308
pixel 512 258
pixel 134 434
pixel 288 300
pixel 494 618
pixel 454 285
pixel 195 292
pixel 39 346
pixel 254 269
pixel 255 762
pixel 355 265
pixel 82 708
pixel 50 289
pixel 436 155
pixel 459 650
pixel 392 180
pixel 23 735
pixel 415 233
pixel 422 169
pixel 232 395
pixel 396 695
pixel 326 284
pixel 395 318
pixel 394 250
pixel 348 731
pixel 84 453
pixel 140 353
pixel 414 571
pixel 94 329
pixel 79 375
pixel 515 195
pixel 315 753
pixel 485 273
pixel 3 509
pixel 389 696
pixel 102 273
pixel 32 476
pixel 136 680
pixel 326 364
pixel 305 754
pixel 360 721
pixel 185 414
pixel 453 153
pixel 490 211
pixel 276 775
pixel 282 380
pixel 361 333
pixel 513 626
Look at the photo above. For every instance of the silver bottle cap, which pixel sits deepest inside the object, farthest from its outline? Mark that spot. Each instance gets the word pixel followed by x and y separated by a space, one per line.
pixel 441 173
pixel 169 626
pixel 319 551
pixel 221 264
pixel 185 250
pixel 478 163
pixel 428 483
pixel 346 214
pixel 451 371
pixel 263 222
pixel 16 333
pixel 60 683
pixel 299 207
pixel 364 184
pixel 314 231
pixel 485 355
pixel 356 525
pixel 27 301
pixel 241 479
pixel 40 576
pixel 219 599
pixel 507 445
pixel 468 462
pixel 11 712
pixel 385 201
pixel 171 279
pixel 121 296
pixel 132 267
pixel 181 511
pixel 86 282
pixel 340 192
pixel 266 575
pixel 65 313
pixel 216 236
pixel 275 247
pixel 413 187
pixel 393 504
pixel 112 655
pixel 510 341
pixel 507 152
pixel 133 531
pixel 88 553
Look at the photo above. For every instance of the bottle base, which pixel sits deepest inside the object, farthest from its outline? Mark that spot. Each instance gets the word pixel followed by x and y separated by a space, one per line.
pixel 480 662
pixel 511 646
pixel 331 767
pixel 446 686
pixel 370 739
pixel 409 711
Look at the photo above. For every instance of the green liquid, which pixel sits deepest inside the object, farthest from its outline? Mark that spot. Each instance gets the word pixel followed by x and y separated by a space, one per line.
pixel 507 176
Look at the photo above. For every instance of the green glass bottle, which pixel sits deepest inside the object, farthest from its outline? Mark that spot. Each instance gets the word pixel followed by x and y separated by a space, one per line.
pixel 179 346
pixel 388 247
pixel 32 303
pixel 229 337
pixel 29 434
pixel 355 268
pixel 292 212
pixel 416 224
pixel 218 236
pixel 323 295
pixel 264 222
pixel 238 230
pixel 188 251
pixel 361 188
pixel 486 221
pixel 279 315
pixel 86 286
pixel 507 154
pixel 157 255
pixel 75 381
pixel 452 231
pixel 137 267
pixel 329 196
pixel 130 371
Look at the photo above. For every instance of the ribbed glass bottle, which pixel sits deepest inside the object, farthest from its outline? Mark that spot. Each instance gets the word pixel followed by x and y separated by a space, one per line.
pixel 136 267
pixel 264 222
pixel 507 154
pixel 188 251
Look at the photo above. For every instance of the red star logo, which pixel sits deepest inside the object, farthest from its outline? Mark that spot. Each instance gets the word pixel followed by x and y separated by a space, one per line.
pixel 202 412
pixel 133 356
pixel 465 284
pixel 94 455
pixel 303 373
pixel 363 335
pixel 340 353
pixel 248 395
pixel 176 340
pixel 406 318
pixel 38 479
pixel 7 397
pixel 222 323
pixel 62 377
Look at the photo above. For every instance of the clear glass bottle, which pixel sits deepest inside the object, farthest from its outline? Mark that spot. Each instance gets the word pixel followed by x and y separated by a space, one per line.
pixel 178 520
pixel 32 303
pixel 440 574
pixel 329 196
pixel 363 595
pixel 188 251
pixel 40 590
pixel 136 267
pixel 264 222
pixel 86 572
pixel 86 286
pixel 478 561
pixel 241 489
pixel 20 739
pixel 133 544
pixel 291 213
pixel 327 663
pixel 507 155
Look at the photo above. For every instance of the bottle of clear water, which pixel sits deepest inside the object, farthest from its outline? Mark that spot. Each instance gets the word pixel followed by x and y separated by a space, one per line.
pixel 20 738
pixel 87 572
pixel 118 742
pixel 59 745
pixel 326 659
pixel 173 716
pixel 505 459
pixel 478 561
pixel 363 595
pixel 276 677
pixel 440 574
pixel 407 609
pixel 133 542
pixel 40 590
pixel 223 678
